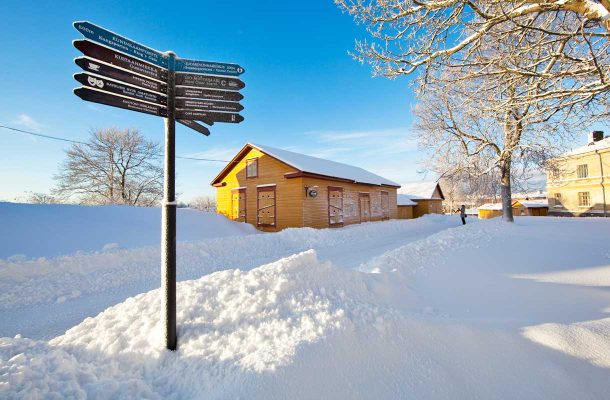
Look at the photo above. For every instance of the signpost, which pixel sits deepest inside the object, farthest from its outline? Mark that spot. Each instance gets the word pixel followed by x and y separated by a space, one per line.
pixel 125 74
pixel 109 71
pixel 201 104
pixel 209 81
pixel 120 88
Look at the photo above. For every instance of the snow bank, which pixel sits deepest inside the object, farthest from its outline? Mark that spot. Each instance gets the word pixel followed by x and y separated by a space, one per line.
pixel 35 281
pixel 234 326
pixel 50 230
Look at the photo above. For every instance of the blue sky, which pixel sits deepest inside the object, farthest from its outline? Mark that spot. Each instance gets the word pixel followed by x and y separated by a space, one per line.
pixel 303 91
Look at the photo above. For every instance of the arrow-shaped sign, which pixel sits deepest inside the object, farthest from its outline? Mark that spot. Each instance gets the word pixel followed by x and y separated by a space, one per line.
pixel 197 104
pixel 208 67
pixel 214 116
pixel 195 126
pixel 208 81
pixel 198 93
pixel 108 85
pixel 110 56
pixel 120 43
pixel 109 71
pixel 109 99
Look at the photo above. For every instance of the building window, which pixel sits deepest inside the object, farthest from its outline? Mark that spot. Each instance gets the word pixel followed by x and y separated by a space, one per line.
pixel 265 206
pixel 558 202
pixel 335 206
pixel 252 168
pixel 582 171
pixel 584 199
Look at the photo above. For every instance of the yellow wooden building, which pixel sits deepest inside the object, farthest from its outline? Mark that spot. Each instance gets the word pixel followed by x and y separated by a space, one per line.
pixel 578 182
pixel 274 189
pixel 531 208
pixel 419 198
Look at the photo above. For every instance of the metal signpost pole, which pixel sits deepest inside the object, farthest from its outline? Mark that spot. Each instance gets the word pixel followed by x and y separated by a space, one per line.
pixel 168 219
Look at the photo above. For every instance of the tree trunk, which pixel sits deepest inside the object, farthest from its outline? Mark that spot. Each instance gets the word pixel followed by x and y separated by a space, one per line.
pixel 507 207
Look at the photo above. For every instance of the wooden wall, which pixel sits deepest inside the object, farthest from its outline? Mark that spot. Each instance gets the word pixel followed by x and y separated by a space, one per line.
pixel 405 212
pixel 289 192
pixel 316 209
pixel 424 207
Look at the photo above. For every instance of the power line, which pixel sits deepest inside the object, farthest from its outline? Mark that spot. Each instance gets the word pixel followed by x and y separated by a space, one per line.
pixel 87 144
pixel 41 135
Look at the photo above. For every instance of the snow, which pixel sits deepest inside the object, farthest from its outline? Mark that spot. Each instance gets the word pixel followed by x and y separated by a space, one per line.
pixel 405 200
pixel 419 190
pixel 533 203
pixel 324 167
pixel 423 308
pixel 598 145
pixel 37 230
pixel 491 206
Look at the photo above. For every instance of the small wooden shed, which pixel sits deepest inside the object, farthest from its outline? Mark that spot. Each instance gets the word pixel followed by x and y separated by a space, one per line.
pixel 274 189
pixel 520 208
pixel 427 196
pixel 406 206
pixel 490 210
pixel 531 208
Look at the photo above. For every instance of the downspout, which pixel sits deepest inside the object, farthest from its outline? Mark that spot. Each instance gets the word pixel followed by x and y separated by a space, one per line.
pixel 601 168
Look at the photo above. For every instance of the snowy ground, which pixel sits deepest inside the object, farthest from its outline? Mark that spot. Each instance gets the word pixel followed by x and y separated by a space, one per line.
pixel 422 308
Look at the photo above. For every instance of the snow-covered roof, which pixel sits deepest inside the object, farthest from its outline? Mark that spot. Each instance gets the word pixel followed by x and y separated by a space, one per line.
pixel 598 145
pixel 491 206
pixel 404 200
pixel 319 166
pixel 423 190
pixel 529 195
pixel 533 203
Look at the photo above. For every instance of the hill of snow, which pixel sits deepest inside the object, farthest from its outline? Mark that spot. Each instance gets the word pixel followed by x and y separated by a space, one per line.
pixel 400 309
pixel 50 230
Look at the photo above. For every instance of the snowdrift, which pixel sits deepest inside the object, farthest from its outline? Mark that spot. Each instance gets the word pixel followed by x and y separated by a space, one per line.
pixel 50 230
pixel 450 315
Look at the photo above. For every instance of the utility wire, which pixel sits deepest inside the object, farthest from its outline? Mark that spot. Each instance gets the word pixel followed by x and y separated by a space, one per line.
pixel 87 144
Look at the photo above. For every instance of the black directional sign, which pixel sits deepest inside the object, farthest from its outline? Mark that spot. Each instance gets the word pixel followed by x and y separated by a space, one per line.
pixel 199 104
pixel 209 81
pixel 108 85
pixel 214 116
pixel 109 99
pixel 208 67
pixel 195 126
pixel 120 43
pixel 109 71
pixel 198 93
pixel 121 60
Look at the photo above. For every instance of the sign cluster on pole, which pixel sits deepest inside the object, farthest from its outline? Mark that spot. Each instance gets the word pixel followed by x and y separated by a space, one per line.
pixel 122 73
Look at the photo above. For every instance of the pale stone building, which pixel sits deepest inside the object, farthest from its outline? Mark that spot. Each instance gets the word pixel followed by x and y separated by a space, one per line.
pixel 578 181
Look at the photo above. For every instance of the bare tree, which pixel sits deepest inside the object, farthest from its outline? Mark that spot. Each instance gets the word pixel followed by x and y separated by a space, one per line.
pixel 39 198
pixel 516 72
pixel 203 203
pixel 114 167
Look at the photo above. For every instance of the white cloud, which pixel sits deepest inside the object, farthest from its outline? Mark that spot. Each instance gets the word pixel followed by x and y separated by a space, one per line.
pixel 216 153
pixel 28 122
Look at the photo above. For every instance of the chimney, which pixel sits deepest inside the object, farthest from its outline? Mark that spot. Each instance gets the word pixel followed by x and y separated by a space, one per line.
pixel 595 136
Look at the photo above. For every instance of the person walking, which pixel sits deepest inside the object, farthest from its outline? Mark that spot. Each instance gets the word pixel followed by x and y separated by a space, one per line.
pixel 463 214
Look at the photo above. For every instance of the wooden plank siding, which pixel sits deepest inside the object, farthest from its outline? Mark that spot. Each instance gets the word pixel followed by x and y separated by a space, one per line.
pixel 424 207
pixel 316 208
pixel 289 192
pixel 405 212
